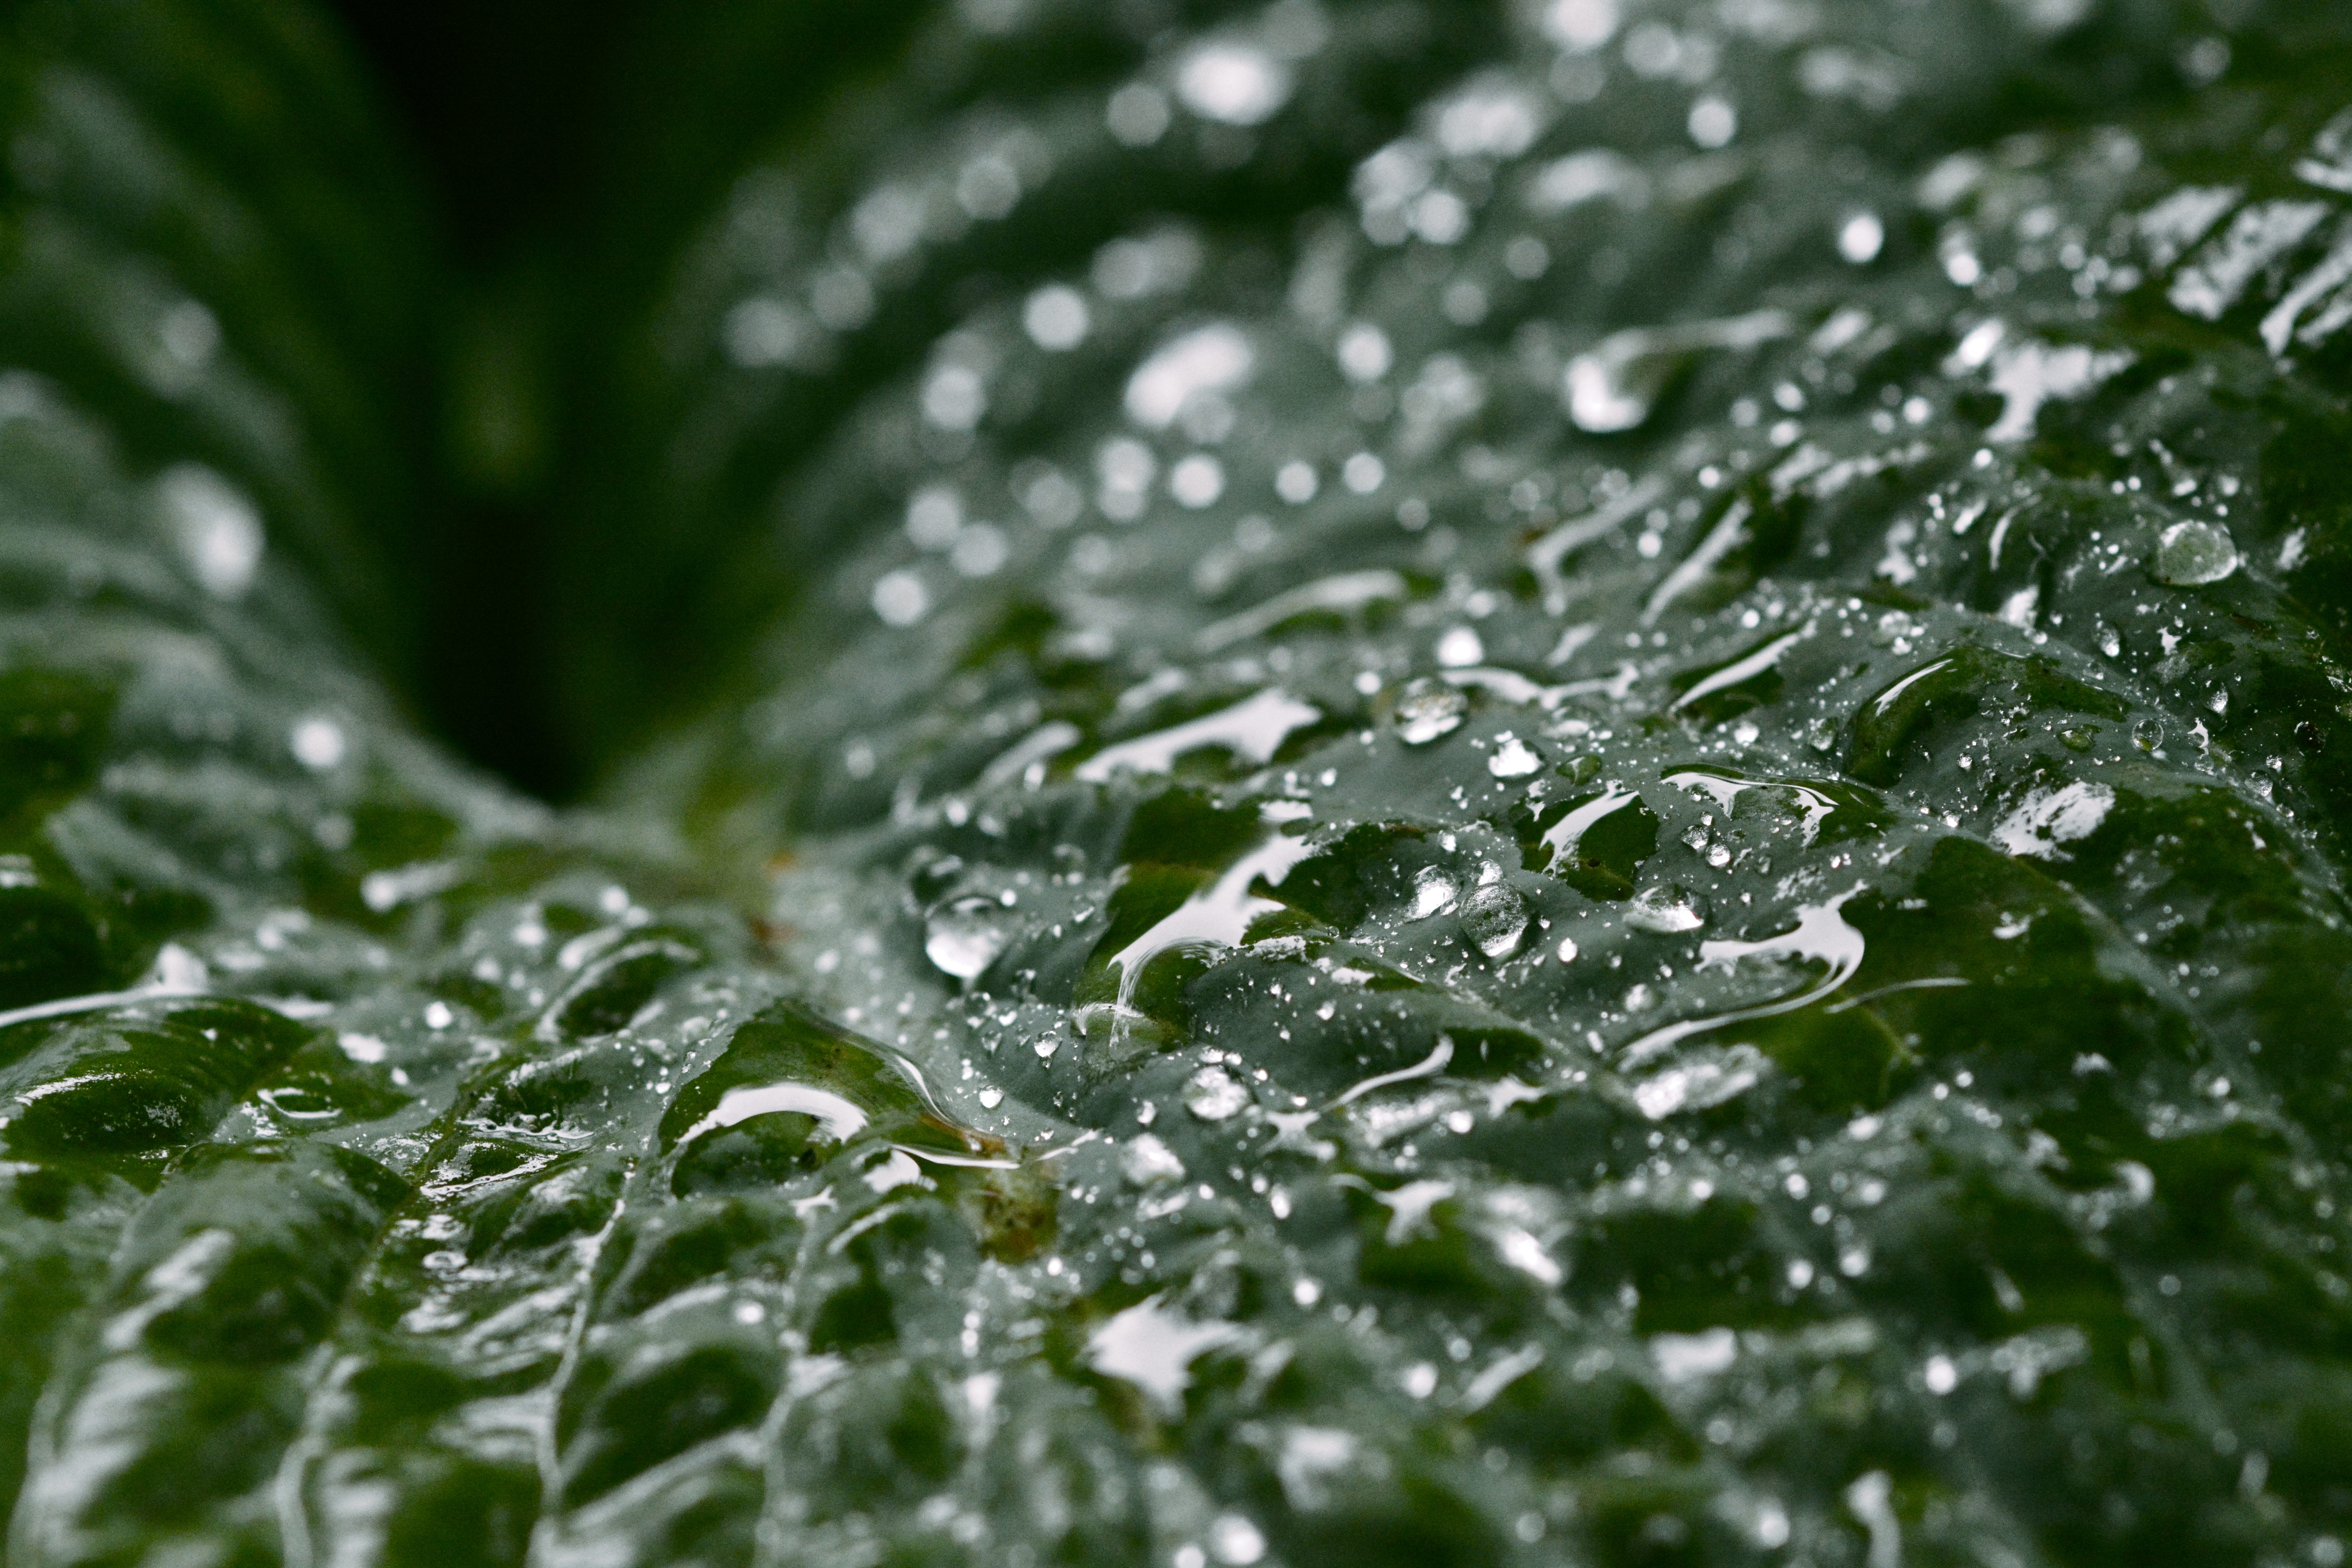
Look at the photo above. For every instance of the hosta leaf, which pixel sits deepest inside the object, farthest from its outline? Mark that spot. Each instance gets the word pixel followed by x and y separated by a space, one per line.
pixel 1562 783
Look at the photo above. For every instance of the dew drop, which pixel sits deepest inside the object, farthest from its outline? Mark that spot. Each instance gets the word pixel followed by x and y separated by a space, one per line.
pixel 1496 917
pixel 318 743
pixel 1433 892
pixel 1233 84
pixel 1668 909
pixel 1213 1095
pixel 1861 239
pixel 1057 318
pixel 1459 649
pixel 1430 711
pixel 964 937
pixel 216 529
pixel 2192 553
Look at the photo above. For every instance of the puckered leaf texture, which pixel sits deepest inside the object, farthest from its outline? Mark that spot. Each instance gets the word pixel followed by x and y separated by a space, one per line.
pixel 1421 783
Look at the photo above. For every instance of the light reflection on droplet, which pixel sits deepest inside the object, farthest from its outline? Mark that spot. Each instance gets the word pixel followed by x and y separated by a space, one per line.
pixel 1057 318
pixel 1233 84
pixel 318 743
pixel 216 529
pixel 900 598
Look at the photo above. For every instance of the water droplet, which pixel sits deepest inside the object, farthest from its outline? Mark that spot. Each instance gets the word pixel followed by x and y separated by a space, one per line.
pixel 1513 759
pixel 1210 359
pixel 955 397
pixel 1433 892
pixel 1668 908
pixel 1460 647
pixel 1700 1085
pixel 1861 239
pixel 1057 318
pixel 1233 84
pixel 965 936
pixel 1429 711
pixel 2046 818
pixel 2192 553
pixel 1682 1357
pixel 760 332
pixel 934 517
pixel 1235 1540
pixel 1496 917
pixel 1138 114
pixel 1148 1162
pixel 1581 26
pixel 1197 481
pixel 1713 122
pixel 979 551
pixel 900 599
pixel 1212 1095
pixel 318 743
pixel 216 529
pixel 1364 352
pixel 836 1117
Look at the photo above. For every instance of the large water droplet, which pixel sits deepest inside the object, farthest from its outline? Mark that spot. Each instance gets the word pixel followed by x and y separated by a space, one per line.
pixel 1668 909
pixel 964 936
pixel 2191 553
pixel 1432 891
pixel 1214 1096
pixel 1496 917
pixel 1429 711
pixel 1513 759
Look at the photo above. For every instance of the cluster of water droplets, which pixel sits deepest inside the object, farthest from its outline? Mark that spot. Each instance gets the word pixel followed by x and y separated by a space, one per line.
pixel 1505 686
pixel 1624 843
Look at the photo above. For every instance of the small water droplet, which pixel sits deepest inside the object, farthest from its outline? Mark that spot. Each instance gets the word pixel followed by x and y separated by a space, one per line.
pixel 1460 647
pixel 1233 84
pixel 900 599
pixel 1057 318
pixel 318 743
pixel 1147 1161
pixel 1862 237
pixel 217 529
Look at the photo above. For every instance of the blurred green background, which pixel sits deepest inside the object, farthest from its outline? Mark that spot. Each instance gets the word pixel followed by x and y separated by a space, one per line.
pixel 560 186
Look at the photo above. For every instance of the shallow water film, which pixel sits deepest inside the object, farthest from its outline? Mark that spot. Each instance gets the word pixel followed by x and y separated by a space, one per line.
pixel 1383 780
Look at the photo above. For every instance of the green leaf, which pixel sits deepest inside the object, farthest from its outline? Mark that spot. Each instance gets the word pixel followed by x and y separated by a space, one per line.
pixel 1487 785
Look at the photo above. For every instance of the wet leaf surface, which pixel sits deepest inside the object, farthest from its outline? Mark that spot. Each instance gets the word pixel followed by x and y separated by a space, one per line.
pixel 1565 784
